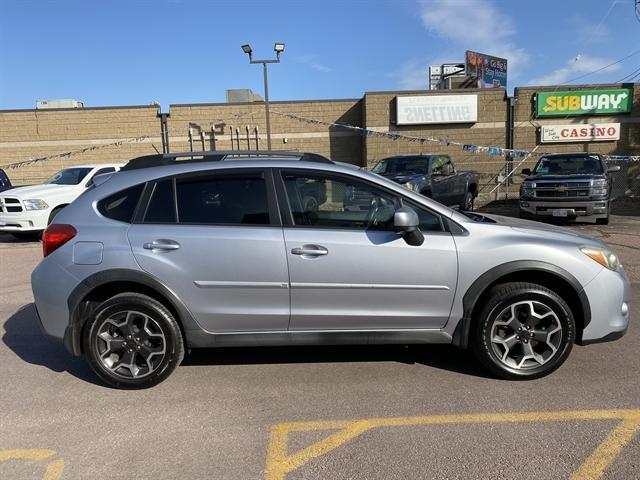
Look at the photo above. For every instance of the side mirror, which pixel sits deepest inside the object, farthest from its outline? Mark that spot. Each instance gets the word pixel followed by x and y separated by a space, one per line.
pixel 526 171
pixel 407 222
pixel 613 168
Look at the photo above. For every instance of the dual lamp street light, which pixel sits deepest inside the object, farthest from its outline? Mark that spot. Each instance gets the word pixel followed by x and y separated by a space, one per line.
pixel 278 48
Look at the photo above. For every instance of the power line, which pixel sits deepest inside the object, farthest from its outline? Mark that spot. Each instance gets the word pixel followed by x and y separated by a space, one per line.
pixel 629 77
pixel 606 66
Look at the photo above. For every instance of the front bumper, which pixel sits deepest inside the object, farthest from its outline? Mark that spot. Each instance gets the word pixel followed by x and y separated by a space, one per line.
pixel 609 295
pixel 30 221
pixel 546 208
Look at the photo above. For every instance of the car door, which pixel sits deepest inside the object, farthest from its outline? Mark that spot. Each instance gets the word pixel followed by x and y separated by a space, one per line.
pixel 214 238
pixel 456 185
pixel 349 270
pixel 441 180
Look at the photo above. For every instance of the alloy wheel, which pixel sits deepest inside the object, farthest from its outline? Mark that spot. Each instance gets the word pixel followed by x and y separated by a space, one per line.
pixel 130 344
pixel 526 335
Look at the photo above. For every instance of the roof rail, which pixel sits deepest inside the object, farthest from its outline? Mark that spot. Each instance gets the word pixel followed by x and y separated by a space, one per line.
pixel 158 160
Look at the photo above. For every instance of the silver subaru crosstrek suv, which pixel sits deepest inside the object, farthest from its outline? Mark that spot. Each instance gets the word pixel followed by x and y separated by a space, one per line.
pixel 218 249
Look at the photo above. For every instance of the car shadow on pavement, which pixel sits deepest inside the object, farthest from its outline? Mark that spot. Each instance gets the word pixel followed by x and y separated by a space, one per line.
pixel 443 357
pixel 23 336
pixel 8 238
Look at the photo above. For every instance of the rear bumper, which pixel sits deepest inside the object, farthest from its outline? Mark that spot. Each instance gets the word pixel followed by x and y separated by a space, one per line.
pixel 51 285
pixel 545 208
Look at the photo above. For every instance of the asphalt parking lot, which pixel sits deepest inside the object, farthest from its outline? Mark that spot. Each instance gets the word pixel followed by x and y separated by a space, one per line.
pixel 317 413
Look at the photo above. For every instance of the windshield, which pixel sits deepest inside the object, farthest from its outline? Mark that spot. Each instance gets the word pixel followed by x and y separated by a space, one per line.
pixel 69 176
pixel 392 166
pixel 569 166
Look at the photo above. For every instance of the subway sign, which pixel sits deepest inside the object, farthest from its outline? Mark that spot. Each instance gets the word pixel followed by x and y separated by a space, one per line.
pixel 584 102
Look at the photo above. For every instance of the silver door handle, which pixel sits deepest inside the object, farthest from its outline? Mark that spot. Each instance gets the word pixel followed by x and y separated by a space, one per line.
pixel 161 245
pixel 311 250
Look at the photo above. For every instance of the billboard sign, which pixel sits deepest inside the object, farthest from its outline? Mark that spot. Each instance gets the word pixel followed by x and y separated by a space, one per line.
pixel 436 72
pixel 490 71
pixel 588 132
pixel 583 102
pixel 426 109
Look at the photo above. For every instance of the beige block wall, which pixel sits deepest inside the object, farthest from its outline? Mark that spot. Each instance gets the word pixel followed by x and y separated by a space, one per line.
pixel 338 144
pixel 26 134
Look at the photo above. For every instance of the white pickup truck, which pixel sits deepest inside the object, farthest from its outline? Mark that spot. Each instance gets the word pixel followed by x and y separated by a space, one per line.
pixel 26 211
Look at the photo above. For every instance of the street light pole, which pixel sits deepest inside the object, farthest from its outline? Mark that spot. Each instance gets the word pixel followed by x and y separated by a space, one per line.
pixel 266 104
pixel 278 48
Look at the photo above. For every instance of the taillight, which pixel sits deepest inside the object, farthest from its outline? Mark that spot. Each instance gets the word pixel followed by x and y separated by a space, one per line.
pixel 55 236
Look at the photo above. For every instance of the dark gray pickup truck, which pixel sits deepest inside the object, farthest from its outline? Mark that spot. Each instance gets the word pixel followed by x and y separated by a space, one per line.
pixel 432 175
pixel 568 185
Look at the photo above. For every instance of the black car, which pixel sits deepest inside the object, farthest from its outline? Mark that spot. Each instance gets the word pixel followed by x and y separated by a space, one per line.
pixel 5 183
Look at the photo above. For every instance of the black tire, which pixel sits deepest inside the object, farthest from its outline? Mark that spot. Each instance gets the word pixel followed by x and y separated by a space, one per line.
pixel 467 205
pixel 502 298
pixel 161 323
pixel 602 221
pixel 53 214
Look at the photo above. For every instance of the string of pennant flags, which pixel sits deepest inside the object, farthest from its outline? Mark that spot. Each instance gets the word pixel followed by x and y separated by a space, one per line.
pixel 516 154
pixel 117 143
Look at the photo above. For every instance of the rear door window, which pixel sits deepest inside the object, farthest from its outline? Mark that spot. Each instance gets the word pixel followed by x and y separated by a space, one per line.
pixel 223 199
pixel 162 205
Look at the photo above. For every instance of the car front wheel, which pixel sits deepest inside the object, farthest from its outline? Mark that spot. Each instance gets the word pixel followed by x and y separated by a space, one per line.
pixel 525 331
pixel 132 341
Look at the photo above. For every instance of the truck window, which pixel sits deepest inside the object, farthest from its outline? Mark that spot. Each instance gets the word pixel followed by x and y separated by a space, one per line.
pixel 586 165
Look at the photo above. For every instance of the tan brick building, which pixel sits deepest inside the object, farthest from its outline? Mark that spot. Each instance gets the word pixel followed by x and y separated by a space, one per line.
pixel 26 134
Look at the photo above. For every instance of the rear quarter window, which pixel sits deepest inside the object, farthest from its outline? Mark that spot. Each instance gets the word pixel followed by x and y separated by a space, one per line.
pixel 121 205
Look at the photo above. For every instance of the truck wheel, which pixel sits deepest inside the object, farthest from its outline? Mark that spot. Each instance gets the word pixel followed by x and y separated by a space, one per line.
pixel 525 331
pixel 467 205
pixel 132 341
pixel 53 214
pixel 602 221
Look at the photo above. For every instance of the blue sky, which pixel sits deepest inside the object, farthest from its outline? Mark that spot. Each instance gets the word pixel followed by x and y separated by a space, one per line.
pixel 179 51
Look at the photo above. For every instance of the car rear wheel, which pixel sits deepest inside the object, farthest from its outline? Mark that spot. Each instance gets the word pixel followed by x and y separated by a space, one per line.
pixel 525 331
pixel 132 341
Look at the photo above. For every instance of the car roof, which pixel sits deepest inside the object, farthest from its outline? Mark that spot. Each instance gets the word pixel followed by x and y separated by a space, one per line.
pixel 96 165
pixel 572 154
pixel 410 155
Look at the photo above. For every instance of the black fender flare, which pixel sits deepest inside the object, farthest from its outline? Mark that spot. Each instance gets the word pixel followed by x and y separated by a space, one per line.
pixel 78 312
pixel 479 286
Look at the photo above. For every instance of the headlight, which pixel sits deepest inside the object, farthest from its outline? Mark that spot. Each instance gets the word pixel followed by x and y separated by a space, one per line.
pixel 600 188
pixel 35 204
pixel 604 257
pixel 527 189
pixel 409 185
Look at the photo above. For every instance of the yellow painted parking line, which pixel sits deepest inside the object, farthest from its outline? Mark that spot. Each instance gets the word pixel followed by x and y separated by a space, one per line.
pixel 280 462
pixel 53 470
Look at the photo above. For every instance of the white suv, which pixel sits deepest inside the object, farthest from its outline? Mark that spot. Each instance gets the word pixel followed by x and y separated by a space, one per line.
pixel 26 211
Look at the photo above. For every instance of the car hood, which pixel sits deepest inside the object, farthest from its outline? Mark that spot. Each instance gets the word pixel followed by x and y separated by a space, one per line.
pixel 562 178
pixel 542 229
pixel 34 191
